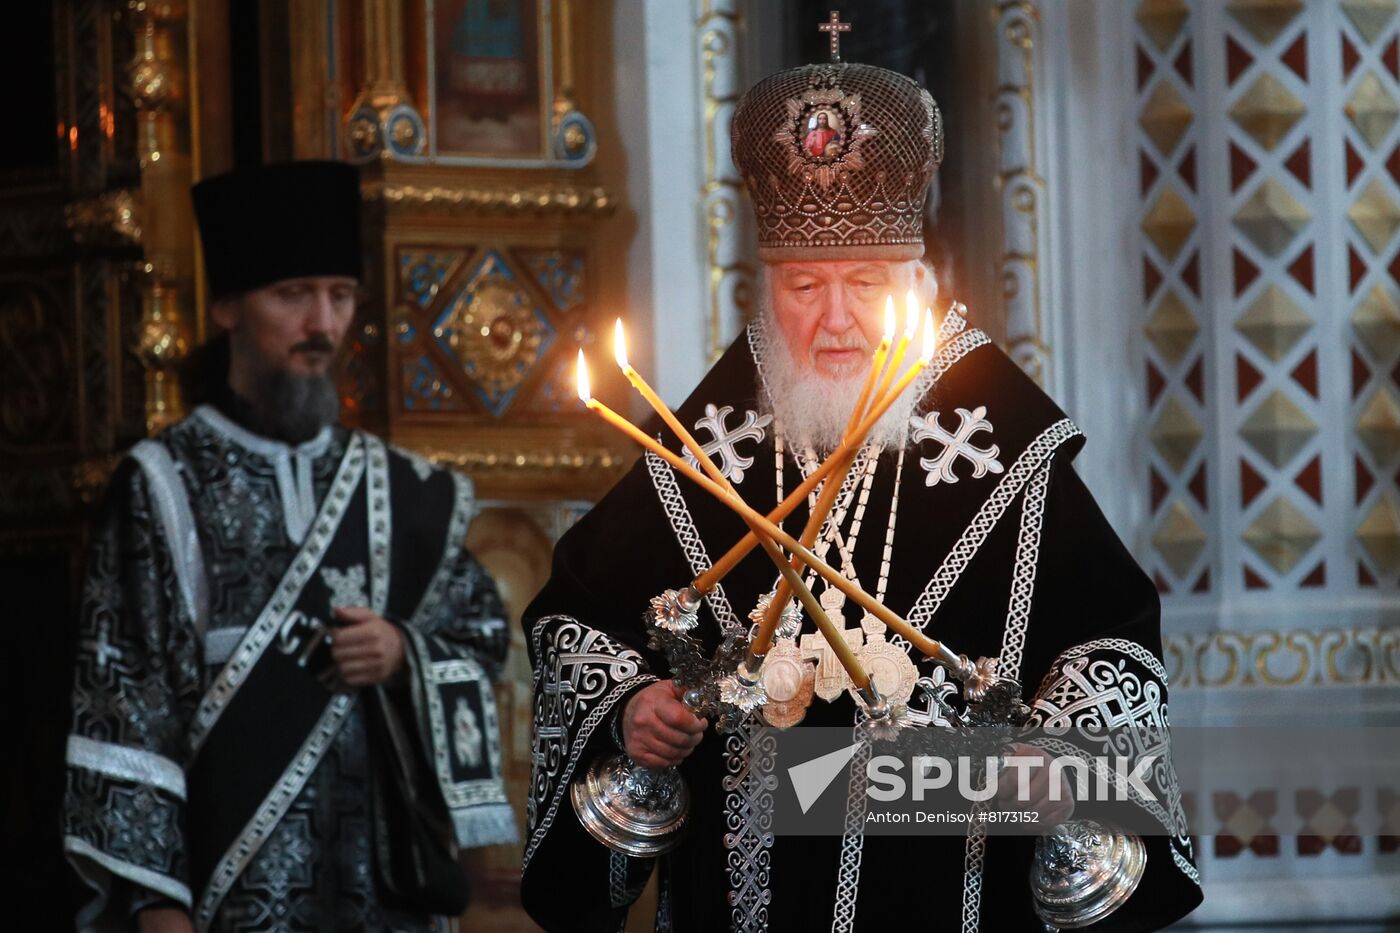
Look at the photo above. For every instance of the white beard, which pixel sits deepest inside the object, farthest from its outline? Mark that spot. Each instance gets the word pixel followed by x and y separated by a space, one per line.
pixel 812 409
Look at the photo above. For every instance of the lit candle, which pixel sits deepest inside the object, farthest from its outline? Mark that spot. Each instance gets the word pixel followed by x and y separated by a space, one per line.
pixel 843 651
pixel 911 324
pixel 930 344
pixel 654 400
pixel 928 646
pixel 877 366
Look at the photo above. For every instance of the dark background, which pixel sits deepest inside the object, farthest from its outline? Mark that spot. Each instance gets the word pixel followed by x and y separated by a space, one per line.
pixel 62 54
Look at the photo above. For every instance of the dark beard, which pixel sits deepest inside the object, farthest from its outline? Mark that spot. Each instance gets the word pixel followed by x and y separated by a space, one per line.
pixel 290 407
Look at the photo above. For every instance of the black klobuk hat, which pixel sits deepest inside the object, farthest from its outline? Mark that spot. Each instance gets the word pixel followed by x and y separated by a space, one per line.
pixel 282 221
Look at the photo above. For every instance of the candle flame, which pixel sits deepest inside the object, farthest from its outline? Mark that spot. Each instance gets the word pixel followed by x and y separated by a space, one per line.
pixel 889 318
pixel 930 336
pixel 585 392
pixel 911 314
pixel 620 345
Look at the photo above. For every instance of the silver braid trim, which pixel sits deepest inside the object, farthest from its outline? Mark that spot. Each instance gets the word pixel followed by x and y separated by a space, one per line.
pixel 749 781
pixel 127 763
pixel 1131 648
pixel 852 841
pixel 380 515
pixel 1031 459
pixel 1018 614
pixel 1183 863
pixel 1033 468
pixel 80 852
pixel 173 506
pixel 683 526
pixel 974 854
pixel 617 879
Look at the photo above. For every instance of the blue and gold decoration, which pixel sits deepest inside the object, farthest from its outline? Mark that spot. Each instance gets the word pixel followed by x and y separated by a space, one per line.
pixel 481 328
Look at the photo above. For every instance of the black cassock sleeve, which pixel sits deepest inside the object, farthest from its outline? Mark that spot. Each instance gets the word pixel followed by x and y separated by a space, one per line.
pixel 473 621
pixel 1093 665
pixel 136 686
pixel 588 650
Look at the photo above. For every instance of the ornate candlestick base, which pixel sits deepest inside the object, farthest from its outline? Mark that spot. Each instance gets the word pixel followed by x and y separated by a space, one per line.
pixel 638 811
pixel 643 811
pixel 1083 872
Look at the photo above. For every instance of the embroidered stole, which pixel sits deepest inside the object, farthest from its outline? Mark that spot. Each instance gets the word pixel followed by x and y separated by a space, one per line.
pixel 272 712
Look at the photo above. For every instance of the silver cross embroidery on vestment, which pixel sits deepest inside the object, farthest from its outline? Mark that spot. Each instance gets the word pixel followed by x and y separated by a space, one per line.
pixel 726 440
pixel 103 650
pixel 347 587
pixel 956 445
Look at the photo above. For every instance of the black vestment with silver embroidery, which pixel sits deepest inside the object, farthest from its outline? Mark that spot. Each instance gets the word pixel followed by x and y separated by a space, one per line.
pixel 954 569
pixel 197 533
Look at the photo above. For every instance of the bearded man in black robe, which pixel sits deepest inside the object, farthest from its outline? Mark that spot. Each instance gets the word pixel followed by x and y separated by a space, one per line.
pixel 962 514
pixel 282 714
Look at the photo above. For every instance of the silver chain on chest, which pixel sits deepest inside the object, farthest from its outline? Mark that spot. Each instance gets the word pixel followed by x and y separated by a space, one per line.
pixel 861 478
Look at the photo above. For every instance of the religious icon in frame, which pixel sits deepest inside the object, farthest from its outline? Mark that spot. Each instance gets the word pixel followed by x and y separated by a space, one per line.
pixel 489 77
pixel 825 133
pixel 495 79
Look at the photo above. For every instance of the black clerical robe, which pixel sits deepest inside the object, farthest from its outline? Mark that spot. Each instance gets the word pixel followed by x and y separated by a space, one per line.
pixel 999 551
pixel 215 543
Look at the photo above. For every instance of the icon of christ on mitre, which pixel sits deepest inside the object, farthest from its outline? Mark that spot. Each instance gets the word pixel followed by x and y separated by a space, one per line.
pixel 961 512
pixel 821 136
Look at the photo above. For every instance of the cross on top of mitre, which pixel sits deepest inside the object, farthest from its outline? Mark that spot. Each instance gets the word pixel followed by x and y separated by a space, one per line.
pixel 833 27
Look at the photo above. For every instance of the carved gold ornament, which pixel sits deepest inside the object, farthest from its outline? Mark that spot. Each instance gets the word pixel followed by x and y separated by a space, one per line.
pixel 527 200
pixel 496 335
pixel 1296 658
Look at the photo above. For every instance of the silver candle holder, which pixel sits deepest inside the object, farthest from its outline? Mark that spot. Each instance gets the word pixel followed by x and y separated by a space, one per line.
pixel 643 811
pixel 1082 871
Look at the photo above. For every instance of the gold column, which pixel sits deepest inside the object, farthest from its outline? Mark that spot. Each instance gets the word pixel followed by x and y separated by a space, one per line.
pixel 383 122
pixel 730 276
pixel 1022 190
pixel 159 85
pixel 314 94
pixel 571 132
